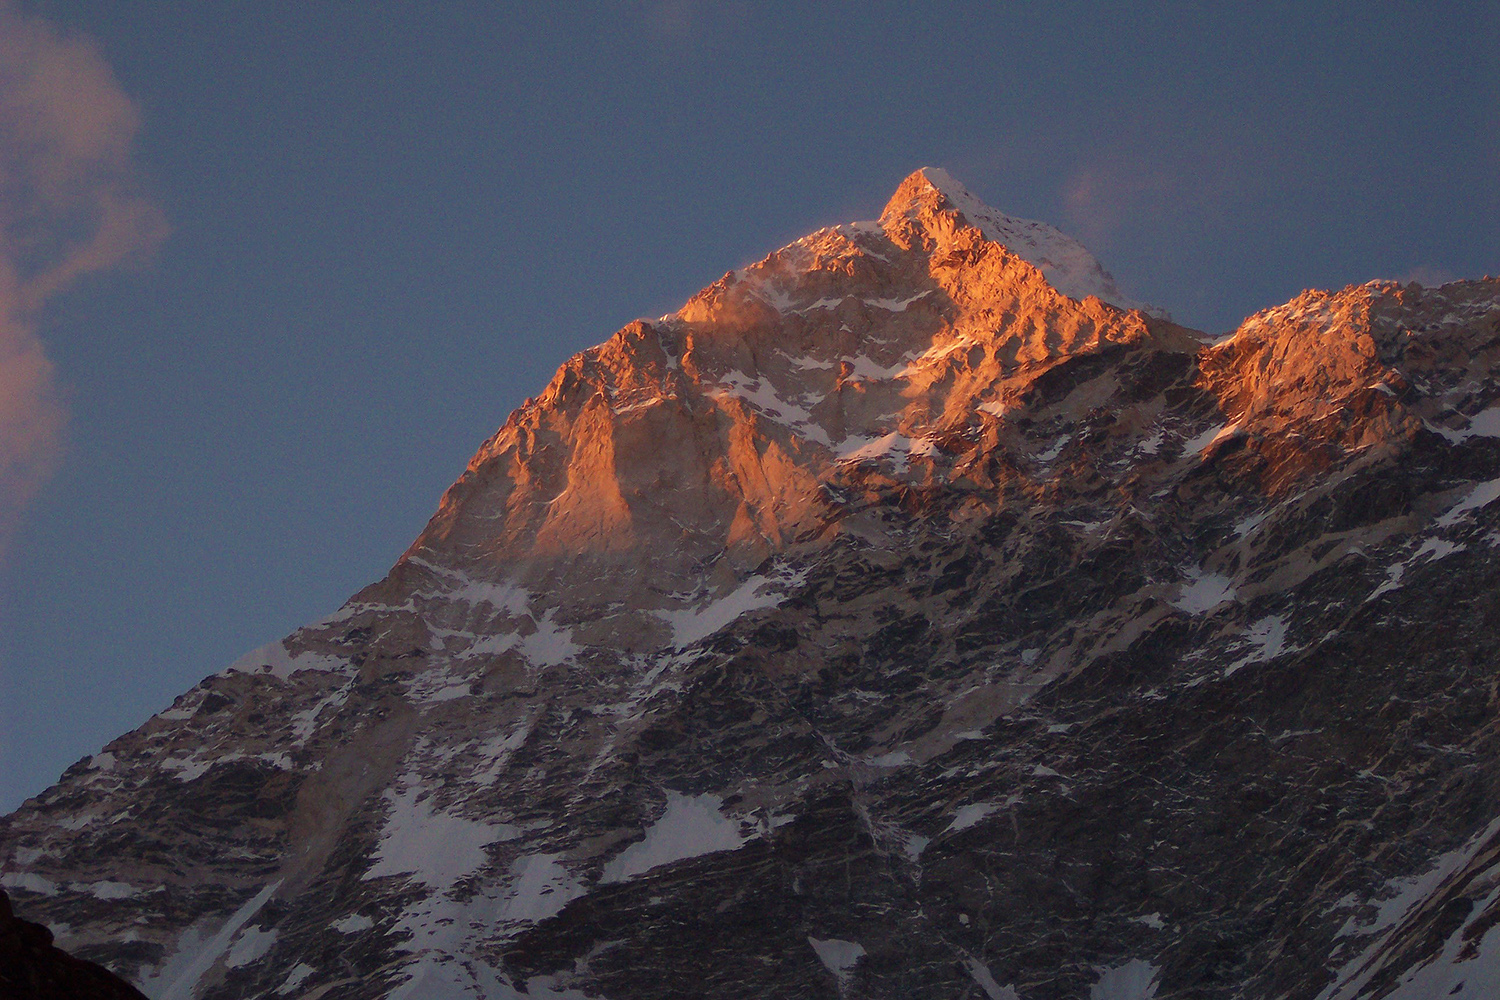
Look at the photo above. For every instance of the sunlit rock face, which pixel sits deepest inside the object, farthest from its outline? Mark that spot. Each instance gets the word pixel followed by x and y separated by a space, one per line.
pixel 705 436
pixel 910 614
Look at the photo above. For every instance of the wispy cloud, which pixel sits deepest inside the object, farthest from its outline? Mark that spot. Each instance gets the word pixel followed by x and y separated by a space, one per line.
pixel 1115 189
pixel 70 205
pixel 690 27
pixel 1430 275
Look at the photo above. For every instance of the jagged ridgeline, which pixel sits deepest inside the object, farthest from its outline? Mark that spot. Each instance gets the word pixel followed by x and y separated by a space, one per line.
pixel 909 615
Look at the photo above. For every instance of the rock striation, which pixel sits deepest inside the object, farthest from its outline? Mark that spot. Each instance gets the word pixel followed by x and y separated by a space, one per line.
pixel 909 615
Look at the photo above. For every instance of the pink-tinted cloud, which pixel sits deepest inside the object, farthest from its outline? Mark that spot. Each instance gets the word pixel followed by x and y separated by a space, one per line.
pixel 70 205
pixel 1430 275
pixel 1108 193
pixel 1100 197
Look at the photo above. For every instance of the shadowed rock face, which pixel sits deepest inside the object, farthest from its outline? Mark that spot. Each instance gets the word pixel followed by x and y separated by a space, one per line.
pixel 908 615
pixel 32 969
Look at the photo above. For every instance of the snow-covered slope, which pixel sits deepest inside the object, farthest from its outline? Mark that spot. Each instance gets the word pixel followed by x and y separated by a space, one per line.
pixel 889 621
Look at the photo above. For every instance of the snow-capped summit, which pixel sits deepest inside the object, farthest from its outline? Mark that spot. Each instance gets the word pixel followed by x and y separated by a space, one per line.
pixel 865 344
pixel 1067 264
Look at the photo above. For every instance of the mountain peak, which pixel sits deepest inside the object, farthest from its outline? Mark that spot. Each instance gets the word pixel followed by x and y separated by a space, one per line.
pixel 931 193
pixel 930 187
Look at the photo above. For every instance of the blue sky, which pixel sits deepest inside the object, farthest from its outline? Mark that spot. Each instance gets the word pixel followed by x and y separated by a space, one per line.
pixel 386 223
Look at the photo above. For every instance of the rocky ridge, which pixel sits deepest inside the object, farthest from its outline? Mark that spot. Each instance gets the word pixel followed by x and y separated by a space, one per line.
pixel 907 615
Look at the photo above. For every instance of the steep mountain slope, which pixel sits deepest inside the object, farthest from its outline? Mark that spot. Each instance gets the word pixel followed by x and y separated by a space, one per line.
pixel 887 622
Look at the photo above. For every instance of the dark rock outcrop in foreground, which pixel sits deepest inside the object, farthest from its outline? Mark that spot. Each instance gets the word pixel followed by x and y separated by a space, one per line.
pixel 909 615
pixel 32 969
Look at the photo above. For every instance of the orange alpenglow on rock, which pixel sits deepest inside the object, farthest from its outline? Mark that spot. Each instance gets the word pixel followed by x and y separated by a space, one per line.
pixel 709 432
pixel 944 345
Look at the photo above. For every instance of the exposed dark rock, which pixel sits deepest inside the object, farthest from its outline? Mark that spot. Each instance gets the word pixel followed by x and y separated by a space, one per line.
pixel 885 624
pixel 31 968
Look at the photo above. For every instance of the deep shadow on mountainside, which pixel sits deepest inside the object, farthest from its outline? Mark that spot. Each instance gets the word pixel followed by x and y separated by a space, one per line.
pixel 911 614
pixel 32 969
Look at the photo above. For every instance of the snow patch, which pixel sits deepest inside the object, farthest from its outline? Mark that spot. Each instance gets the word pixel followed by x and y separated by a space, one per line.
pixel 294 978
pixel 632 407
pixel 443 976
pixel 305 721
pixel 1055 450
pixel 352 924
pixel 1393 575
pixel 497 750
pixel 761 394
pixel 540 887
pixel 252 944
pixel 838 956
pixel 1268 637
pixel 448 692
pixel 692 624
pixel 1480 496
pixel 1405 897
pixel 896 758
pixel 109 890
pixel 458 587
pixel 968 815
pixel 196 956
pixel 895 447
pixel 275 659
pixel 548 645
pixel 866 368
pixel 896 305
pixel 691 826
pixel 434 848
pixel 1135 980
pixel 188 768
pixel 806 362
pixel 1249 524
pixel 1437 548
pixel 1201 443
pixel 1455 971
pixel 1485 423
pixel 1203 592
pixel 981 975
pixel 551 644
pixel 28 882
pixel 193 768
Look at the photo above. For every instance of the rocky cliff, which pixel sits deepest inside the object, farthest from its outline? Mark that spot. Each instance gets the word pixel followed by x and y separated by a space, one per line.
pixel 909 615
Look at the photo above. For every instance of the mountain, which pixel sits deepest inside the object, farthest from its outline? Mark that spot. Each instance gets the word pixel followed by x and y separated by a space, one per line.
pixel 909 615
